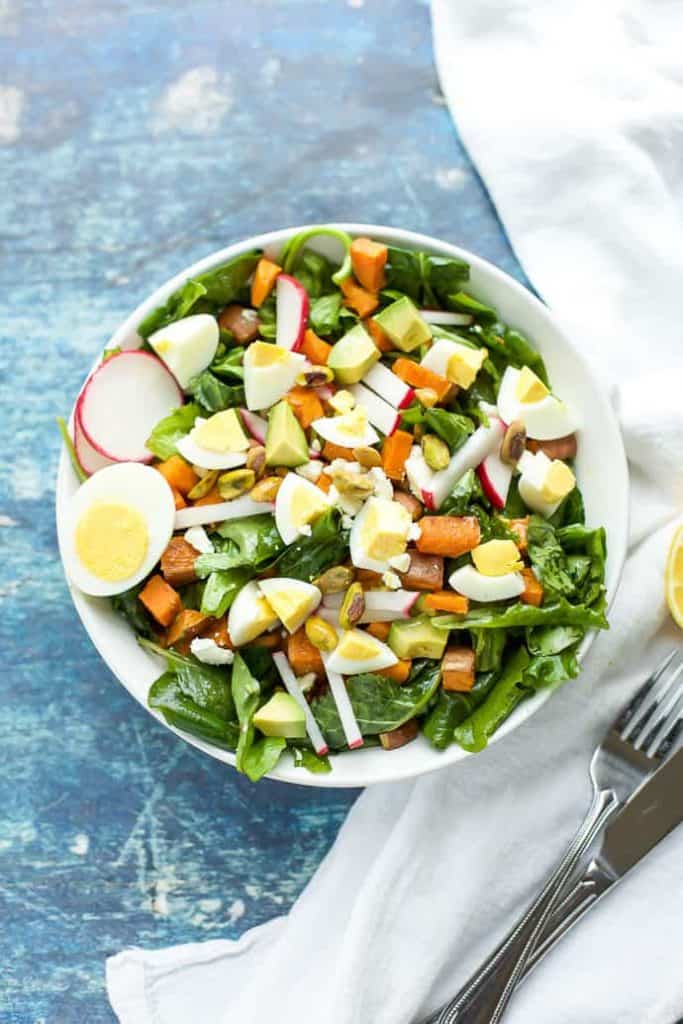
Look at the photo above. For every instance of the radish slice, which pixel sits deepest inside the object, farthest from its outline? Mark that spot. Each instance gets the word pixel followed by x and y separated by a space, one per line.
pixel 475 449
pixel 292 687
pixel 380 413
pixel 380 605
pixel 123 401
pixel 292 312
pixel 347 717
pixel 389 386
pixel 255 425
pixel 495 476
pixel 442 318
pixel 238 508
pixel 88 457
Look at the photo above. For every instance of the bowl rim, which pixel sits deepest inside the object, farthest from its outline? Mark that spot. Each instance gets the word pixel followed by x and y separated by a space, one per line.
pixel 86 608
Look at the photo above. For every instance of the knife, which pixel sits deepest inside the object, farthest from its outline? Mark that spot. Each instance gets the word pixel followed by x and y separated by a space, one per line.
pixel 650 815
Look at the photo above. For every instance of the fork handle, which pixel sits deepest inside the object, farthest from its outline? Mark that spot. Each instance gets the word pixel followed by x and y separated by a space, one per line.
pixel 484 997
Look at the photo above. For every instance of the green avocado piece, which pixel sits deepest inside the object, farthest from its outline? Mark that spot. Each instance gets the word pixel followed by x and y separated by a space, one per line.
pixel 417 638
pixel 286 443
pixel 281 716
pixel 353 355
pixel 404 325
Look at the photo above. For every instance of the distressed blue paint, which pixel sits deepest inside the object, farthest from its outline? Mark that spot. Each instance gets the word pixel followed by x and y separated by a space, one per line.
pixel 112 832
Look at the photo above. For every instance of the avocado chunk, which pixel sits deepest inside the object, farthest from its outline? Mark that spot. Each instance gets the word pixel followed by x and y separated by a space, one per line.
pixel 417 638
pixel 281 716
pixel 286 443
pixel 404 325
pixel 353 355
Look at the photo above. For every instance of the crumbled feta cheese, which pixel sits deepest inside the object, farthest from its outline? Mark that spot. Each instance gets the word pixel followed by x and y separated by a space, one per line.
pixel 343 465
pixel 306 530
pixel 199 539
pixel 347 521
pixel 383 486
pixel 310 470
pixel 400 562
pixel 351 506
pixel 316 445
pixel 208 651
pixel 391 580
pixel 306 682
pixel 414 531
pixel 342 402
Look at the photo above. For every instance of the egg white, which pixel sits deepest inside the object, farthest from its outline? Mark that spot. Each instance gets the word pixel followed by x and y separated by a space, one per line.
pixel 331 428
pixel 291 486
pixel 545 420
pixel 127 483
pixel 187 346
pixel 383 657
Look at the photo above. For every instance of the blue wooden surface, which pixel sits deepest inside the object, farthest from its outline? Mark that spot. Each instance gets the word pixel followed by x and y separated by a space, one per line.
pixel 136 137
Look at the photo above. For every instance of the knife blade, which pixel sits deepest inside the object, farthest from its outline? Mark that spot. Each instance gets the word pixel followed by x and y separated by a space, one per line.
pixel 654 811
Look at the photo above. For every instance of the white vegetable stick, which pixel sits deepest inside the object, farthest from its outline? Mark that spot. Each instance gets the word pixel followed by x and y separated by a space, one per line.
pixel 380 605
pixel 346 714
pixel 200 515
pixel 380 413
pixel 389 386
pixel 444 318
pixel 294 690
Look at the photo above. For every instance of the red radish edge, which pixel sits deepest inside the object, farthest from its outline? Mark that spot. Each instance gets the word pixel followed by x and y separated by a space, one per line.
pixel 256 425
pixel 78 412
pixel 89 459
pixel 291 335
pixel 488 488
pixel 409 396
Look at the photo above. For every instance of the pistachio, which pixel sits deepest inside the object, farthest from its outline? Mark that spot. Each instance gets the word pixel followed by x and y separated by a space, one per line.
pixel 315 376
pixel 427 397
pixel 320 633
pixel 352 607
pixel 368 457
pixel 334 580
pixel 203 486
pixel 352 485
pixel 256 459
pixel 236 482
pixel 514 443
pixel 436 452
pixel 266 489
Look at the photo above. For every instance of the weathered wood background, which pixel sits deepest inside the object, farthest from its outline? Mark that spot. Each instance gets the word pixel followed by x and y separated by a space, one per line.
pixel 136 137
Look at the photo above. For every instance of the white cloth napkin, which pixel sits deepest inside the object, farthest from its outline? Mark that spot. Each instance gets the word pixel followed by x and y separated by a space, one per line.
pixel 574 116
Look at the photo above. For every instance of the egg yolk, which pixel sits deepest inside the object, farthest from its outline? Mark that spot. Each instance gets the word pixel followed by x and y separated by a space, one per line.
pixel 111 541
pixel 305 507
pixel 263 354
pixel 357 646
pixel 222 432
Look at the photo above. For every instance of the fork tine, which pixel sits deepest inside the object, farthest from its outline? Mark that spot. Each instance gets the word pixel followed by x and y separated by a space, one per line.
pixel 658 735
pixel 647 697
pixel 664 700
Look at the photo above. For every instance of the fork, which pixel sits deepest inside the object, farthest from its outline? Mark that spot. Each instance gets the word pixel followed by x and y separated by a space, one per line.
pixel 640 739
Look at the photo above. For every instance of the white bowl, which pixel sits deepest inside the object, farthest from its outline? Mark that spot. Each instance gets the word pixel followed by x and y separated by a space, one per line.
pixel 601 471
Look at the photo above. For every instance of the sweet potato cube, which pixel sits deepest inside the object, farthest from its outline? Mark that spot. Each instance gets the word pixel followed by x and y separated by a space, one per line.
pixel 161 601
pixel 186 625
pixel 533 588
pixel 425 572
pixel 399 737
pixel 457 669
pixel 177 562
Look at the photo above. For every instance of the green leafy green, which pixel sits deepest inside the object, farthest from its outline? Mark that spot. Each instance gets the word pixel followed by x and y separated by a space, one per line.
pixel 163 439
pixel 267 315
pixel 581 541
pixel 308 557
pixel 466 491
pixel 489 645
pixel 178 305
pixel 464 303
pixel 571 510
pixel 254 757
pixel 227 283
pixel 514 506
pixel 379 704
pixel 324 315
pixel 548 559
pixel 249 541
pixel 229 364
pixel 554 613
pixel 213 395
pixel 261 756
pixel 552 669
pixel 71 451
pixel 314 272
pixel 206 685
pixel 295 245
pixel 445 275
pixel 453 708
pixel 133 611
pixel 451 427
pixel 167 695
pixel 474 733
pixel 308 759
pixel 427 280
pixel 547 640
pixel 222 587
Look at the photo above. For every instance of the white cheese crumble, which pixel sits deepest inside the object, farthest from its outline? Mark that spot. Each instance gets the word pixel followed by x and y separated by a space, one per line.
pixel 310 470
pixel 207 650
pixel 414 531
pixel 383 486
pixel 400 562
pixel 199 539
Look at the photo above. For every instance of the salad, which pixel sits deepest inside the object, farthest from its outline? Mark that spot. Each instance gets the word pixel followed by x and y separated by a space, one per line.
pixel 339 502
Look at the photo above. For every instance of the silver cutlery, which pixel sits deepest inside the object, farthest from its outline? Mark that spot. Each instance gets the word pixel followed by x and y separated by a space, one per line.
pixel 640 740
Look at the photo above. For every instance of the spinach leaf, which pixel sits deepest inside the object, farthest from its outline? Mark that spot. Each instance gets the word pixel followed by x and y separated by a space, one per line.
pixel 227 283
pixel 261 756
pixel 552 669
pixel 163 439
pixel 545 640
pixel 308 759
pixel 571 510
pixel 548 559
pixel 229 364
pixel 254 757
pixel 467 490
pixel 267 316
pixel 488 647
pixel 324 314
pixel 474 733
pixel 133 611
pixel 426 279
pixel 555 613
pixel 445 276
pixel 206 685
pixel 379 704
pixel 404 273
pixel 511 347
pixel 451 427
pixel 213 395
pixel 514 506
pixel 314 272
pixel 222 587
pixel 593 545
pixel 166 695
pixel 453 708
pixel 308 557
pixel 462 302
pixel 249 541
pixel 579 567
pixel 178 305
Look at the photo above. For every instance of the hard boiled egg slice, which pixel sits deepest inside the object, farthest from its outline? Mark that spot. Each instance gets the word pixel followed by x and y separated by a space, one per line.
pixel 455 361
pixel 250 615
pixel 118 525
pixel 269 373
pixel 379 533
pixel 216 443
pixel 523 396
pixel 544 483
pixel 350 430
pixel 358 651
pixel 292 600
pixel 187 346
pixel 474 584
pixel 297 505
